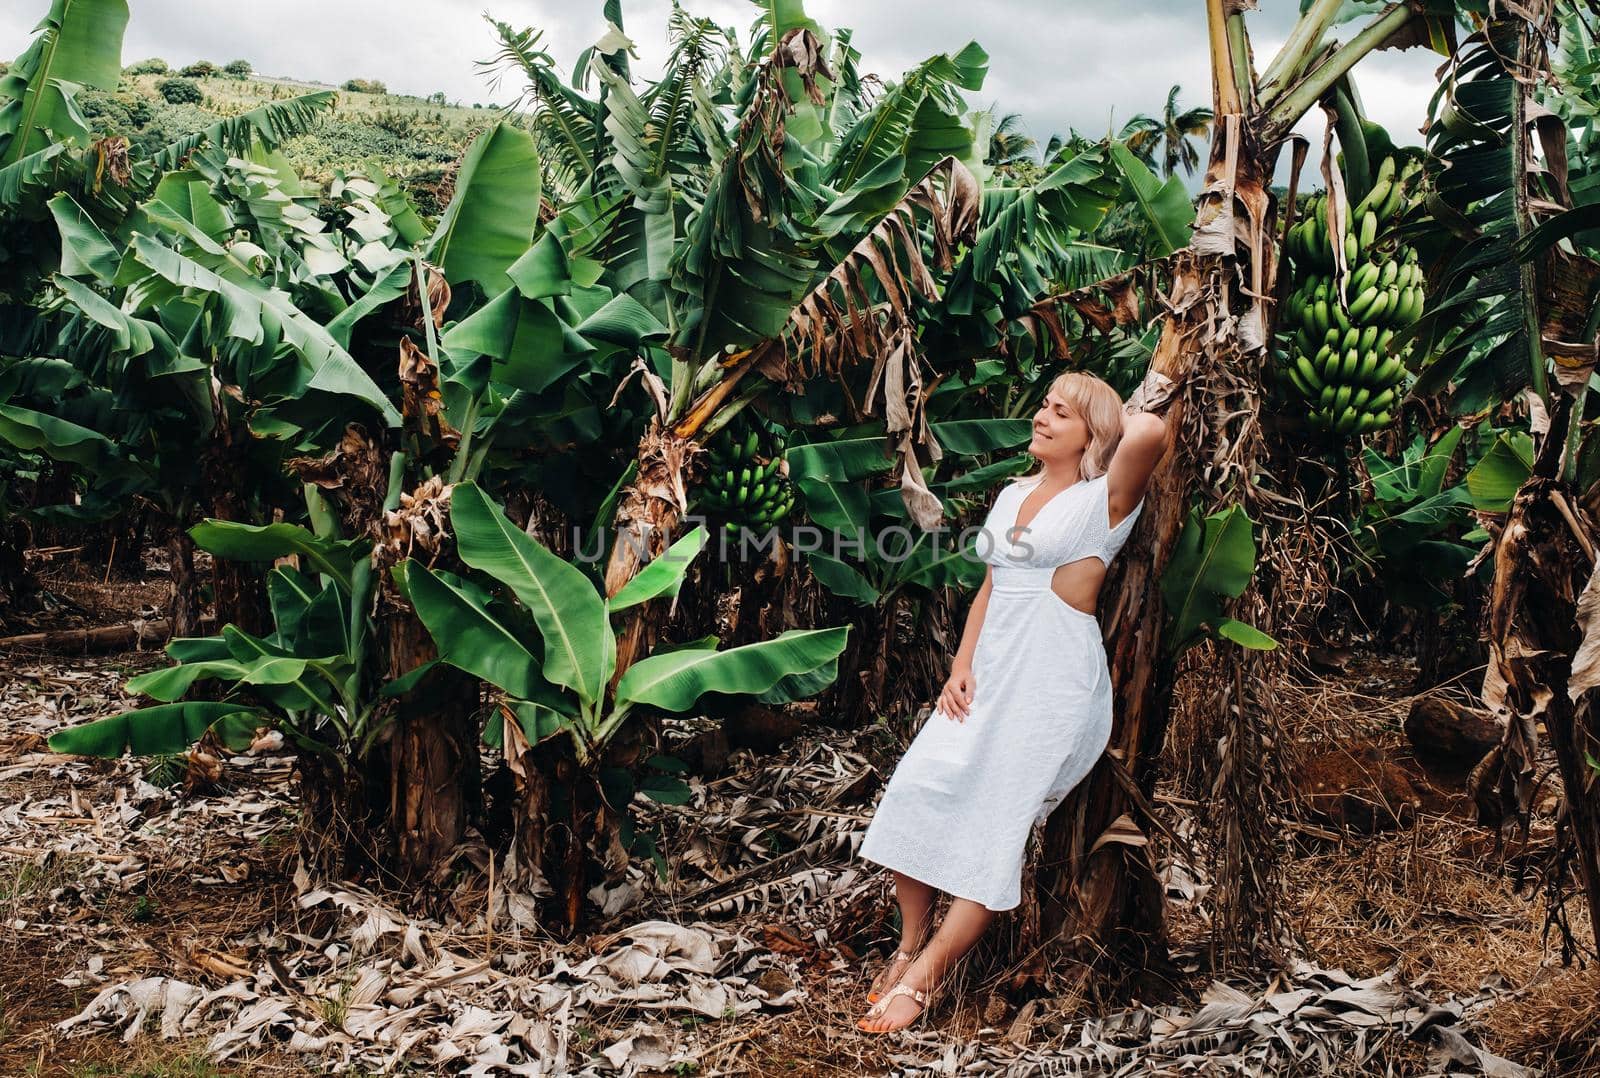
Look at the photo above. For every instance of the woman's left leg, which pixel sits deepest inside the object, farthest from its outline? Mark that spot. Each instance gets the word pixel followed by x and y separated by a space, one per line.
pixel 916 919
pixel 964 924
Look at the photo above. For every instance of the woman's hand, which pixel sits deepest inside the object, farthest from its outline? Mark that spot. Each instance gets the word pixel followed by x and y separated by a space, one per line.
pixel 956 696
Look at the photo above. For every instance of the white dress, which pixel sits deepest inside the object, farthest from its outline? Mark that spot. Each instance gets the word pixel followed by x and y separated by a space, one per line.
pixel 959 808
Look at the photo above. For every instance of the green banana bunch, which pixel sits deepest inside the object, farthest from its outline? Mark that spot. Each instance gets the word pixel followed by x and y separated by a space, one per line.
pixel 1338 354
pixel 742 487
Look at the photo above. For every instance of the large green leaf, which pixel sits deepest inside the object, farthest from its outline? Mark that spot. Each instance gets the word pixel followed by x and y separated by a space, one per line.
pixel 58 438
pixel 268 542
pixel 966 437
pixel 579 647
pixel 1436 465
pixel 1500 473
pixel 79 43
pixel 1213 561
pixel 131 336
pixel 171 682
pixel 839 505
pixel 467 633
pixel 854 456
pixel 663 576
pixel 1165 206
pixel 165 729
pixel 799 686
pixel 676 680
pixel 492 217
pixel 842 578
pixel 537 721
pixel 247 304
pixel 315 689
pixel 531 347
pixel 84 248
pixel 31 176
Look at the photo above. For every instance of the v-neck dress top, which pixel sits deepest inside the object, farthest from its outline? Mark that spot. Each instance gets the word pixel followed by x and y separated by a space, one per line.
pixel 958 810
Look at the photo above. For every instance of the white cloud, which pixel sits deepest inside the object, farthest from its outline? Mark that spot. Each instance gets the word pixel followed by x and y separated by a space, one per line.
pixel 1058 65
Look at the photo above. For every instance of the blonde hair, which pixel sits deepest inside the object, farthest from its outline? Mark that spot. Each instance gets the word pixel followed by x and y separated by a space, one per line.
pixel 1100 406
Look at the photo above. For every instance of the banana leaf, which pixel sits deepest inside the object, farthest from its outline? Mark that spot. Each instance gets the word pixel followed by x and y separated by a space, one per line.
pixel 495 210
pixel 579 647
pixel 663 576
pixel 1165 206
pixel 81 45
pixel 674 681
pixel 467 632
pixel 268 542
pixel 1213 561
pixel 165 729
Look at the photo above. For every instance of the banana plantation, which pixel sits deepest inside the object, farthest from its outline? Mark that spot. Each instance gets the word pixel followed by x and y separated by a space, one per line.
pixel 463 625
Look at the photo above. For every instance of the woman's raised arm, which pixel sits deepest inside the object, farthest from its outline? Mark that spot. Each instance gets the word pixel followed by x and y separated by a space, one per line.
pixel 1143 443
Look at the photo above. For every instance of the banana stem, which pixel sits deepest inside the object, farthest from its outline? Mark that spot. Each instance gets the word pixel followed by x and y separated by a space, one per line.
pixel 1224 73
pixel 1298 49
pixel 1239 49
pixel 1297 101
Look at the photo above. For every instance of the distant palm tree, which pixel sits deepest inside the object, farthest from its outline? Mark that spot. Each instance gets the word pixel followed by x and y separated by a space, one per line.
pixel 1059 148
pixel 1170 134
pixel 1008 143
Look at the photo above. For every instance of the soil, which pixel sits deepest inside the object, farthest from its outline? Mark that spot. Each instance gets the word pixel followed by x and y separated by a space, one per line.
pixel 1449 902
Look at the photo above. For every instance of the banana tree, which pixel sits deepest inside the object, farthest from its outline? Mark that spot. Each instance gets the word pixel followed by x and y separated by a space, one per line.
pixel 1216 314
pixel 192 315
pixel 718 197
pixel 535 628
pixel 69 205
pixel 190 328
pixel 46 149
pixel 1518 321
pixel 317 680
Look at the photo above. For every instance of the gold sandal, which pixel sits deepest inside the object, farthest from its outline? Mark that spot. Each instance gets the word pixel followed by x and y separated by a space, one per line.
pixel 872 994
pixel 922 996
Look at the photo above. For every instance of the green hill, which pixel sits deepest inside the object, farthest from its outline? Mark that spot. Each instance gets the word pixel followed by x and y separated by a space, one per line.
pixel 415 140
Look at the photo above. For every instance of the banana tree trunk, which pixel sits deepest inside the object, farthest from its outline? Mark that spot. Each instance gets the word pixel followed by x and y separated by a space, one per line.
pixel 342 810
pixel 433 755
pixel 183 610
pixel 1545 560
pixel 646 519
pixel 1095 881
pixel 237 588
pixel 17 586
pixel 1092 881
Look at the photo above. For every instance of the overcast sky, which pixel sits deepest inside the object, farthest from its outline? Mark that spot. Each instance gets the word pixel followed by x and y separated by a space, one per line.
pixel 1059 65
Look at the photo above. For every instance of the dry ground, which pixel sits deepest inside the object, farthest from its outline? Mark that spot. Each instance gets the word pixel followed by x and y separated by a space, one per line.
pixel 751 955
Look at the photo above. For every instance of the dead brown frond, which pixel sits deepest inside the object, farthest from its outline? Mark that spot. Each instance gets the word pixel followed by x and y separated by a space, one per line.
pixel 1541 623
pixel 839 324
pixel 421 404
pixel 764 124
pixel 354 476
pixel 111 160
pixel 419 527
pixel 1101 305
pixel 411 309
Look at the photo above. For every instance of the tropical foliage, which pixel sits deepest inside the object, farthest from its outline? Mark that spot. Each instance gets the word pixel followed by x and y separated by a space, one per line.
pixel 383 415
pixel 1168 135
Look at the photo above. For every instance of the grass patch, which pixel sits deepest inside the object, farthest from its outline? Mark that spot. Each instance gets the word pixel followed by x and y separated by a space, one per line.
pixel 155 1061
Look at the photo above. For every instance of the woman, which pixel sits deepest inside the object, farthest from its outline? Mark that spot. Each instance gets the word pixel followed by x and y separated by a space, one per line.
pixel 1026 711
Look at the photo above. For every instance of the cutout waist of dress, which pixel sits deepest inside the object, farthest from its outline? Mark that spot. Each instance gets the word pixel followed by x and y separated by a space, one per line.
pixel 1018 579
